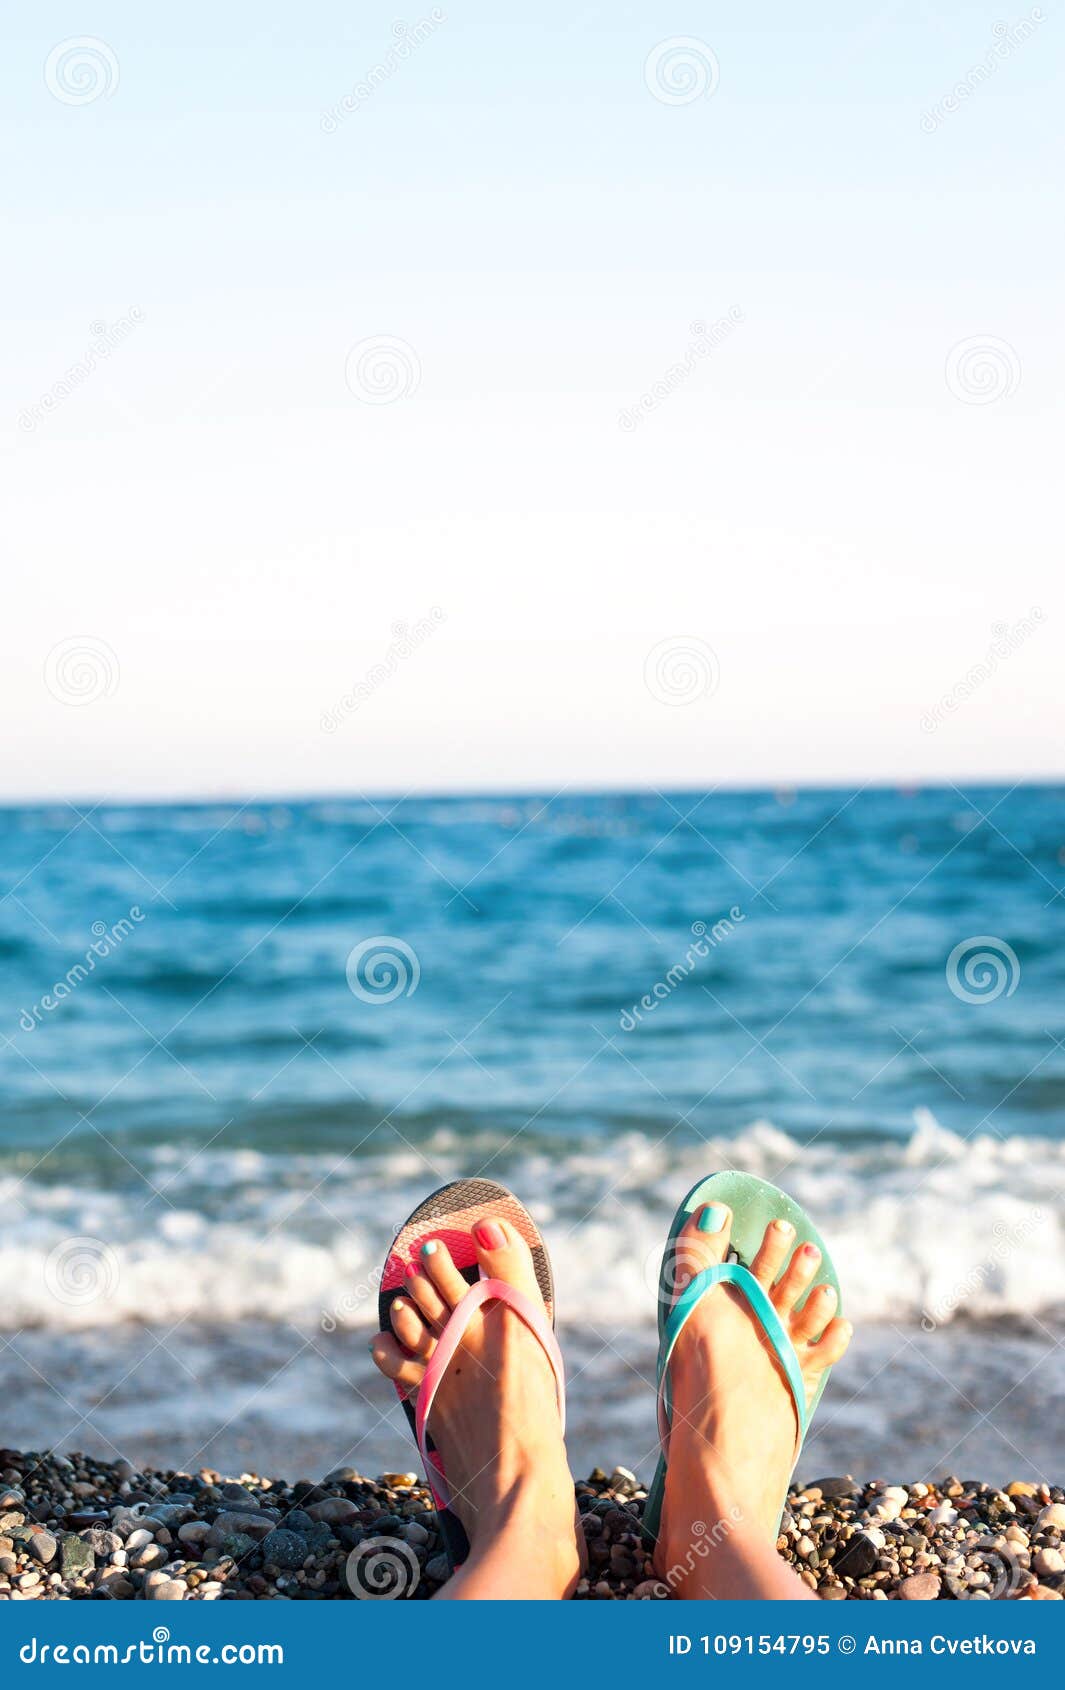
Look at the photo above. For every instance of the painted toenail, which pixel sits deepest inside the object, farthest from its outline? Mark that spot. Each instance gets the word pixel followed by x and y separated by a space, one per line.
pixel 784 1226
pixel 712 1218
pixel 430 1247
pixel 411 1270
pixel 810 1250
pixel 489 1235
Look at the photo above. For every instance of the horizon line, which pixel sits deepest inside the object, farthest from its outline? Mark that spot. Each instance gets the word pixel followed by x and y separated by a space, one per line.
pixel 244 799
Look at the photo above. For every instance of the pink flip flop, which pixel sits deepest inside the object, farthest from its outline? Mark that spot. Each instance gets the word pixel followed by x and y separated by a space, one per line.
pixel 450 1215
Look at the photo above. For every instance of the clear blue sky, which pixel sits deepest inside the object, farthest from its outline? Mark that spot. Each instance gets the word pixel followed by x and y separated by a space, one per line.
pixel 239 532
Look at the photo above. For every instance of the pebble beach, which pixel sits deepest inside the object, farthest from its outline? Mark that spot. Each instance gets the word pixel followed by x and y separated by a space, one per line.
pixel 74 1528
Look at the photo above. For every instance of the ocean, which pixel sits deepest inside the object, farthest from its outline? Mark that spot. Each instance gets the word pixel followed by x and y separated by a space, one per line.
pixel 238 1043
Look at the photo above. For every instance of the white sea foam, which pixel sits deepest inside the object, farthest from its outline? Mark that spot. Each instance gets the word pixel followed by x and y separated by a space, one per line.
pixel 927 1230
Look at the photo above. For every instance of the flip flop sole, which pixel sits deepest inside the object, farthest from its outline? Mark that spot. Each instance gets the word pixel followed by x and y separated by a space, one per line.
pixel 754 1204
pixel 450 1215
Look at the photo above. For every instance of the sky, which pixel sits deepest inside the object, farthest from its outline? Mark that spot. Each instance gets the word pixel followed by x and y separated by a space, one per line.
pixel 605 396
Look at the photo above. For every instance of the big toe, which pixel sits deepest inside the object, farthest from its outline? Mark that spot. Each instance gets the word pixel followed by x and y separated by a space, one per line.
pixel 503 1254
pixel 701 1243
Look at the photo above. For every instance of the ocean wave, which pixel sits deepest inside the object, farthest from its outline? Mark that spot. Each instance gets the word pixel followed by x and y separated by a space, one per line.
pixel 930 1230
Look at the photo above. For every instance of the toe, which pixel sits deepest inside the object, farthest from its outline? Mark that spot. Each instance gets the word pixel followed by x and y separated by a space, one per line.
pixel 504 1254
pixel 436 1263
pixel 797 1276
pixel 701 1242
pixel 814 1316
pixel 829 1347
pixel 394 1362
pixel 411 1329
pixel 776 1242
pixel 420 1288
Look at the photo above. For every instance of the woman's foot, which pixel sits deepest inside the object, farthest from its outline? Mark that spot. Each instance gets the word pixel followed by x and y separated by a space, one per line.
pixel 494 1421
pixel 732 1445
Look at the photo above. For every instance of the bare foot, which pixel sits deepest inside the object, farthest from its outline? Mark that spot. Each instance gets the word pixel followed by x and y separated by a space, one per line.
pixel 495 1418
pixel 732 1447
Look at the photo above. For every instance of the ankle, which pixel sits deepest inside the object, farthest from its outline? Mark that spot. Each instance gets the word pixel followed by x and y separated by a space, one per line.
pixel 707 1503
pixel 528 1503
pixel 533 1537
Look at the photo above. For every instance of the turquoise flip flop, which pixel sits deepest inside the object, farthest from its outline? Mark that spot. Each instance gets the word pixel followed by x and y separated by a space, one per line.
pixel 754 1203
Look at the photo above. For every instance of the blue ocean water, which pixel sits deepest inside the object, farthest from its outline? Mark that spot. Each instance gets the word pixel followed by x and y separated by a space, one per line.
pixel 239 1041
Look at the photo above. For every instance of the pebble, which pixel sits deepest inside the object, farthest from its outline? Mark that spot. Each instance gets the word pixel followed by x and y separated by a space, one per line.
pixel 169 1590
pixel 1048 1561
pixel 944 1515
pixel 1052 1518
pixel 337 1510
pixel 77 1556
pixel 42 1547
pixel 253 1525
pixel 650 1589
pixel 834 1489
pixel 285 1549
pixel 919 1587
pixel 858 1556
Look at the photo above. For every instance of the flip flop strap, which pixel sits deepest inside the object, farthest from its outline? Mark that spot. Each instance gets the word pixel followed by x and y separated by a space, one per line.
pixel 535 1318
pixel 727 1273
